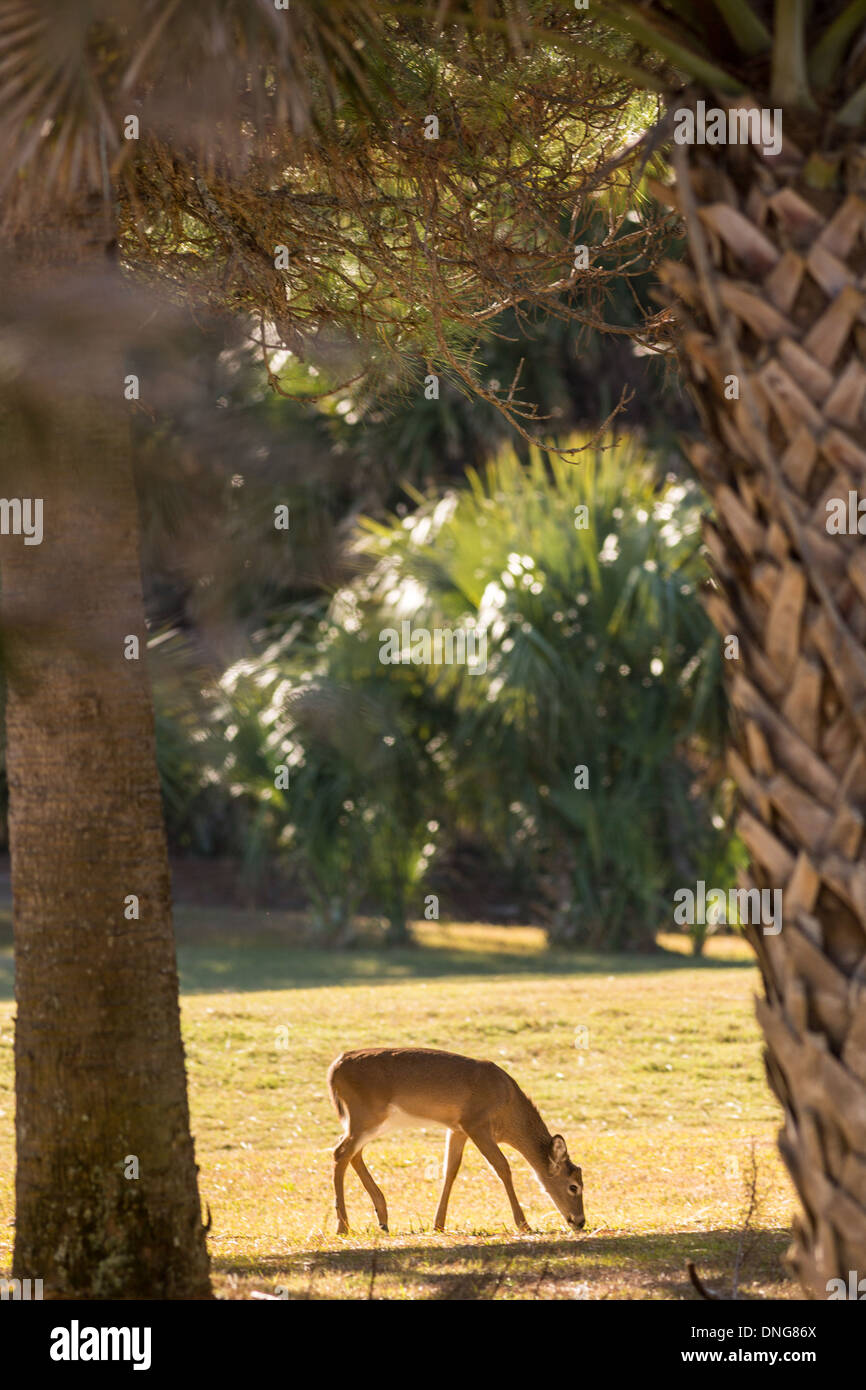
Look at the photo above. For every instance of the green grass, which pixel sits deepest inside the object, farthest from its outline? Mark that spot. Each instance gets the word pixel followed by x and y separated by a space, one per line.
pixel 660 1101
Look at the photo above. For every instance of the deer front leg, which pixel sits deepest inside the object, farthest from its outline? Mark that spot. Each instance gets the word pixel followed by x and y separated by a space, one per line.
pixel 376 1193
pixel 499 1163
pixel 454 1146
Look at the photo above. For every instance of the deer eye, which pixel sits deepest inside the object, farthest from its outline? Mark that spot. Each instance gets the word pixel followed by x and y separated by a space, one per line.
pixel 572 1187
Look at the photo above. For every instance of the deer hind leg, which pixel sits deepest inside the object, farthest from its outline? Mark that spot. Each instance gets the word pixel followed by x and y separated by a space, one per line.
pixel 343 1155
pixel 454 1146
pixel 499 1163
pixel 376 1193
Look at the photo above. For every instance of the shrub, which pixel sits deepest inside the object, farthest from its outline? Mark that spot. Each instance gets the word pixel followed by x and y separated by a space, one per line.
pixel 599 657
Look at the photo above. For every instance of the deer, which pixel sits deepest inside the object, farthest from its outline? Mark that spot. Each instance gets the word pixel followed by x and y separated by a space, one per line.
pixel 377 1089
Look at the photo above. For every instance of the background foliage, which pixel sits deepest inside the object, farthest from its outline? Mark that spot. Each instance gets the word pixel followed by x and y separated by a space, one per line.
pixel 598 654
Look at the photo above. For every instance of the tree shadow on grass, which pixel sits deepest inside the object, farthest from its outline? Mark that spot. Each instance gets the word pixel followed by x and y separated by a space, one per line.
pixel 603 1266
pixel 241 967
pixel 218 960
pixel 244 967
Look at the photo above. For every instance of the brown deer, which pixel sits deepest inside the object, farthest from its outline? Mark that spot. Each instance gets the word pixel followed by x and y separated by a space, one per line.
pixel 379 1088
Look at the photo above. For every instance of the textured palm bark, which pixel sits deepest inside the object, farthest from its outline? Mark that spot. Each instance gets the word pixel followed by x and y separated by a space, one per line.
pixel 99 1060
pixel 775 296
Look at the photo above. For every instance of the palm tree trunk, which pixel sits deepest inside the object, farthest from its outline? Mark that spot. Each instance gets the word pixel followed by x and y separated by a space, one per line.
pixel 106 1185
pixel 773 344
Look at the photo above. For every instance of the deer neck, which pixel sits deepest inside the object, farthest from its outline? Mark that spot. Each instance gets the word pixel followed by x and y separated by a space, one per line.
pixel 526 1132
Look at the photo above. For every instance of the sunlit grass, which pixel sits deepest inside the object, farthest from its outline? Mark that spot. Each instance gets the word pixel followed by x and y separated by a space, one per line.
pixel 650 1066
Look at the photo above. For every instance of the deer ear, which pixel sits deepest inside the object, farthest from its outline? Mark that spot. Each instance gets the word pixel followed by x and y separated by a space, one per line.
pixel 558 1153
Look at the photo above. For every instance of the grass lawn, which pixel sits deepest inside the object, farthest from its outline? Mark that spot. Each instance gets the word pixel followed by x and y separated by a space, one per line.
pixel 650 1066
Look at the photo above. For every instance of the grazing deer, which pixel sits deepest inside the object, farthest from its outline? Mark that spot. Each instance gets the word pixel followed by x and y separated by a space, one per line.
pixel 380 1088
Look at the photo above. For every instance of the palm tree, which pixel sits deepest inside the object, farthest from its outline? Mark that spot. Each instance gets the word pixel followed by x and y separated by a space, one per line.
pixel 771 340
pixel 106 1187
pixel 186 142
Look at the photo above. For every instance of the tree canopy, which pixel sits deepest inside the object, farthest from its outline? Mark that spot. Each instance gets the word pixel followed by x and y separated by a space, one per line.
pixel 370 190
